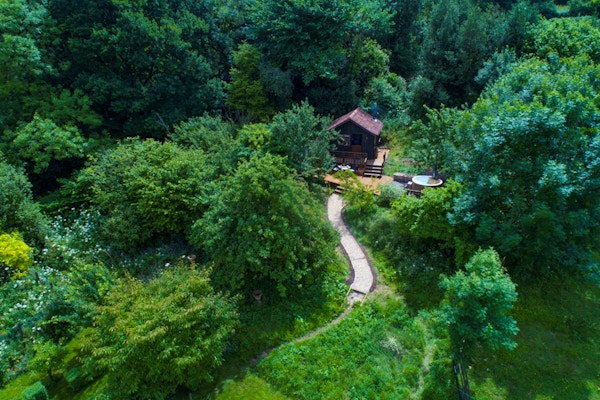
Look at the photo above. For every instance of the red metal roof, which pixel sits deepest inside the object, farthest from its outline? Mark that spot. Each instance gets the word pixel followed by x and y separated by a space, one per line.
pixel 360 118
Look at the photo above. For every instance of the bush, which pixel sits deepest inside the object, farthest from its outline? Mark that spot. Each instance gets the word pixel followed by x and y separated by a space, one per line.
pixel 37 391
pixel 74 379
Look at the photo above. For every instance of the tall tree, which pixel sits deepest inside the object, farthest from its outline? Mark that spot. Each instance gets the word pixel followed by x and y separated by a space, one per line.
pixel 565 37
pixel 301 136
pixel 457 38
pixel 246 93
pixel 531 171
pixel 146 65
pixel 263 229
pixel 322 44
pixel 151 338
pixel 18 211
pixel 144 188
pixel 477 302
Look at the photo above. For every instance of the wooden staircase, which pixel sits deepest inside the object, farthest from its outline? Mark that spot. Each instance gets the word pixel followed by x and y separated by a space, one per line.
pixel 373 170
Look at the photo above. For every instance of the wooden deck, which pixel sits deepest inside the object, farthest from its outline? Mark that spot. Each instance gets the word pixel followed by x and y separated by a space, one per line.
pixel 372 183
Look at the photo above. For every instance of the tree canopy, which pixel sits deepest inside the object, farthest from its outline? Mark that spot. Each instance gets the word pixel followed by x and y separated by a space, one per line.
pixel 263 229
pixel 150 338
pixel 477 302
pixel 531 179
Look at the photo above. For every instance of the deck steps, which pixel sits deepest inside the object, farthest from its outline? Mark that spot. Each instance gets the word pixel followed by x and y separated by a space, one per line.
pixel 373 171
pixel 339 189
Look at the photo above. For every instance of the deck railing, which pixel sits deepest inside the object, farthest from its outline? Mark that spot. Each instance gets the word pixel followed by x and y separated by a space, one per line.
pixel 350 158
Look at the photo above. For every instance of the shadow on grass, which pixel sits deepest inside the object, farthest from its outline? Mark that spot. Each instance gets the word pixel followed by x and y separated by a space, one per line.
pixel 276 321
pixel 558 347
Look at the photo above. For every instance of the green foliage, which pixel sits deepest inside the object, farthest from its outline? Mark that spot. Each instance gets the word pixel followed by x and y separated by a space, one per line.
pixel 301 136
pixel 37 391
pixel 246 94
pixel 359 200
pixel 530 168
pixel 215 137
pixel 477 302
pixel 255 137
pixel 152 337
pixel 145 65
pixel 426 218
pixel 432 138
pixel 48 358
pixel 457 38
pixel 367 60
pixel 389 91
pixel 584 7
pixel 403 37
pixel 144 188
pixel 18 211
pixel 15 256
pixel 379 336
pixel 565 37
pixel 203 133
pixel 41 141
pixel 264 227
pixel 21 61
pixel 316 49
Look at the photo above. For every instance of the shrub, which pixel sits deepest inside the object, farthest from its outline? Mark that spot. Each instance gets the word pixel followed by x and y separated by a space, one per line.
pixel 37 391
pixel 74 379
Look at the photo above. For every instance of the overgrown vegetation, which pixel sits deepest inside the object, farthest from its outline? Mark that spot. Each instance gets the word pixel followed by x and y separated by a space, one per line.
pixel 162 223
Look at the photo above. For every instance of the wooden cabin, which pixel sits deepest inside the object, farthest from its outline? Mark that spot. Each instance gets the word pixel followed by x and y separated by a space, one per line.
pixel 359 136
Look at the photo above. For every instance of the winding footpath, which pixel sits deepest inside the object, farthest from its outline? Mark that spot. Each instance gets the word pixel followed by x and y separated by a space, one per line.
pixel 364 279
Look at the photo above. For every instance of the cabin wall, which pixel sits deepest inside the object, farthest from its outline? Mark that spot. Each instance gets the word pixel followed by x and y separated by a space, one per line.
pixel 357 140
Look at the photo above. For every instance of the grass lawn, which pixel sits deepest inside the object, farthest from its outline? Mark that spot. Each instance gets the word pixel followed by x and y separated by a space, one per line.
pixel 558 347
pixel 377 352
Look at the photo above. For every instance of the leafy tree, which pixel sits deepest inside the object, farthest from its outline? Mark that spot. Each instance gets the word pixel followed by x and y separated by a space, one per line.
pixel 477 302
pixel 21 60
pixel 565 37
pixel 457 38
pixel 42 141
pixel 18 211
pixel 302 137
pixel 213 136
pixel 367 60
pixel 531 174
pixel 359 200
pixel 48 357
pixel 584 7
pixel 499 64
pixel 389 93
pixel 246 93
pixel 145 65
pixel 263 228
pixel 152 337
pixel 145 188
pixel 255 137
pixel 404 36
pixel 309 38
pixel 432 140
pixel 15 256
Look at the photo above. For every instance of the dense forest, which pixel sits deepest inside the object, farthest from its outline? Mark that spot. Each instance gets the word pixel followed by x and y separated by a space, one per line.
pixel 163 227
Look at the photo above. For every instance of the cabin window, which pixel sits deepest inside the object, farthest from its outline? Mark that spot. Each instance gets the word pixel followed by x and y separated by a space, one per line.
pixel 356 140
pixel 345 140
